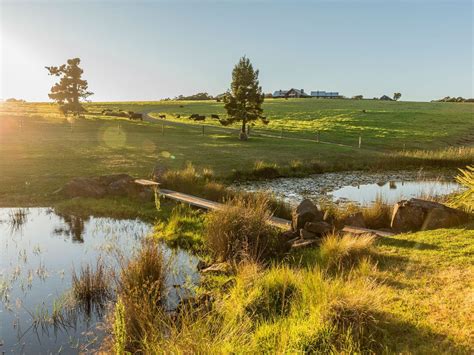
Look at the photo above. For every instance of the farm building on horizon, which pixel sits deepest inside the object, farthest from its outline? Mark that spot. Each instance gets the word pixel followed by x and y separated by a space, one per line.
pixel 290 93
pixel 326 94
pixel 297 93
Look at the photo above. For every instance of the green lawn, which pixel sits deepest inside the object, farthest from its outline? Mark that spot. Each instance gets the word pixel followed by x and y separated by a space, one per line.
pixel 40 149
pixel 383 125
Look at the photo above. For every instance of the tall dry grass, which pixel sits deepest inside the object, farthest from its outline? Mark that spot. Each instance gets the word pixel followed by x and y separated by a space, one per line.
pixel 141 291
pixel 339 253
pixel 203 183
pixel 241 230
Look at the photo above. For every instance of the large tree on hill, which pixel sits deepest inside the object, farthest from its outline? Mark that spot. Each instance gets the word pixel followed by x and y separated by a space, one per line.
pixel 71 88
pixel 243 102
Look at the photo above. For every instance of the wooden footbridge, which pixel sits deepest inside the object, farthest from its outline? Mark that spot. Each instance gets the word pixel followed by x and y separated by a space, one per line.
pixel 201 202
pixel 212 205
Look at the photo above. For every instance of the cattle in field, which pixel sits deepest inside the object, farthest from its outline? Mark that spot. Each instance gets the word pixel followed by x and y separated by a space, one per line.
pixel 162 116
pixel 178 116
pixel 193 116
pixel 136 116
pixel 199 118
pixel 215 116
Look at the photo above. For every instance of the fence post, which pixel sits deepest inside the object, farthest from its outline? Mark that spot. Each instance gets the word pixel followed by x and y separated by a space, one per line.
pixel 202 129
pixel 360 141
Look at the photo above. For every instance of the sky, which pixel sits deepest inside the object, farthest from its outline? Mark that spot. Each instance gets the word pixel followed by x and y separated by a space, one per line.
pixel 149 50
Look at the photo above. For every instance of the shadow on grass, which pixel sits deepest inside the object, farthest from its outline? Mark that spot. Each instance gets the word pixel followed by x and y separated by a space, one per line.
pixel 399 336
pixel 404 243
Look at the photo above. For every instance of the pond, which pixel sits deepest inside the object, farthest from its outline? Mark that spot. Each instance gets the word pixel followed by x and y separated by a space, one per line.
pixel 38 251
pixel 358 187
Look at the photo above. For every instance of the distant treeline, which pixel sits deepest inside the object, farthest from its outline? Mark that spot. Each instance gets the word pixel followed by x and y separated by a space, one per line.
pixel 198 96
pixel 453 99
pixel 15 100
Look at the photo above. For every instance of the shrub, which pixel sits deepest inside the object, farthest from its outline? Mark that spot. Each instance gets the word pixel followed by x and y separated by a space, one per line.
pixel 465 200
pixel 341 253
pixel 241 230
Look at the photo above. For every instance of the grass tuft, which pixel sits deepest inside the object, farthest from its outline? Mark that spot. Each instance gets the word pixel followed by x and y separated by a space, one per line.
pixel 241 231
pixel 342 253
pixel 91 287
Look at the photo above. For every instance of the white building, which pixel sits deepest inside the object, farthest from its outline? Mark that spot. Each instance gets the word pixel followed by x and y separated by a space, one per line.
pixel 326 94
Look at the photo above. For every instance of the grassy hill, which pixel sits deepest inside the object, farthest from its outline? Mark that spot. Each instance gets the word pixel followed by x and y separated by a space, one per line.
pixel 40 149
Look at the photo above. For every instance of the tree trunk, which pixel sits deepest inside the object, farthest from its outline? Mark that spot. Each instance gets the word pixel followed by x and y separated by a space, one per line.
pixel 243 134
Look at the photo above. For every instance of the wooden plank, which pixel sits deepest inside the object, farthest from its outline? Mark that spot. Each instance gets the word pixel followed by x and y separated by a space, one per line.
pixel 145 182
pixel 212 205
pixel 359 230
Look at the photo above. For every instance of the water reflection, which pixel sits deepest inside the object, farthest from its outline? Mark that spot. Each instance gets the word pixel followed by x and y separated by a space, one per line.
pixel 75 228
pixel 37 256
pixel 356 186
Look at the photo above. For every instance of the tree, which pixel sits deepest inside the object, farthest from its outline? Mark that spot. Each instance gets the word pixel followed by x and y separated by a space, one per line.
pixel 243 102
pixel 71 89
pixel 396 96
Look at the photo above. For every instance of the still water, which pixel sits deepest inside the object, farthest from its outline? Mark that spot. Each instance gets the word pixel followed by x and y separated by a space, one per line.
pixel 359 187
pixel 37 257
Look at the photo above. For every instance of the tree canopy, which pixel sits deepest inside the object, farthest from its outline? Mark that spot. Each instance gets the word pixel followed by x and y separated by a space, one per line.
pixel 396 96
pixel 71 88
pixel 243 102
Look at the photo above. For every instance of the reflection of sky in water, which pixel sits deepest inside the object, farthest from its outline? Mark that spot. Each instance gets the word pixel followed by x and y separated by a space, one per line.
pixel 36 260
pixel 393 191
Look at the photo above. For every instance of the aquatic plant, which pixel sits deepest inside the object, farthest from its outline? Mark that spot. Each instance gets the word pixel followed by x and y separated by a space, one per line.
pixel 91 288
pixel 17 218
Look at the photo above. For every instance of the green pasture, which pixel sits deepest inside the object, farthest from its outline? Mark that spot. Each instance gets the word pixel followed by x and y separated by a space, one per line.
pixel 41 149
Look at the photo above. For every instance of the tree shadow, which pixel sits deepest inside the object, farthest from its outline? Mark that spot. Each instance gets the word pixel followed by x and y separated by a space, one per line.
pixel 403 243
pixel 399 336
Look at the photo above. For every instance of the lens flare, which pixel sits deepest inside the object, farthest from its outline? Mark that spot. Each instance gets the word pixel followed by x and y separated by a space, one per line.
pixel 114 137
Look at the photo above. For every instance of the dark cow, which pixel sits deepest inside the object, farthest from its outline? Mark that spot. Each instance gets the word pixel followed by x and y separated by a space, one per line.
pixel 178 116
pixel 199 118
pixel 162 116
pixel 136 116
pixel 215 116
pixel 193 116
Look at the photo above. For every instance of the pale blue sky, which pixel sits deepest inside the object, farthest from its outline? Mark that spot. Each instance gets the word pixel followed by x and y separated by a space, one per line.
pixel 147 50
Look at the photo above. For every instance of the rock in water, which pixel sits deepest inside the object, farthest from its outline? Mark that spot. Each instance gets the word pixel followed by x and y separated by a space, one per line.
pixel 305 212
pixel 416 214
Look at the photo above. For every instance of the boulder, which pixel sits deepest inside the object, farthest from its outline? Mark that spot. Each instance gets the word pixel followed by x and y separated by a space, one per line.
pixel 304 234
pixel 416 214
pixel 83 187
pixel 305 212
pixel 107 185
pixel 354 220
pixel 123 186
pixel 318 228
